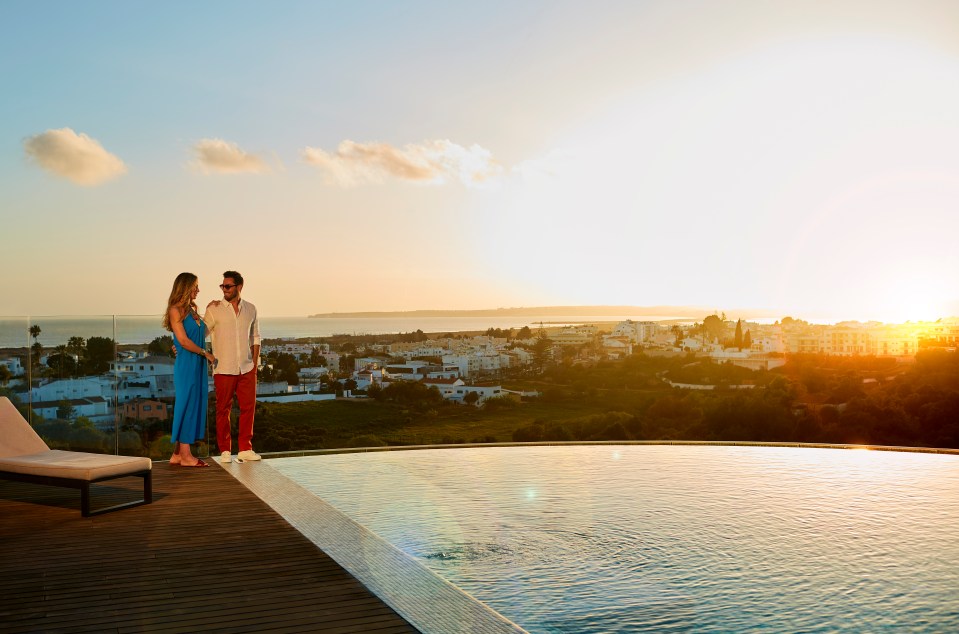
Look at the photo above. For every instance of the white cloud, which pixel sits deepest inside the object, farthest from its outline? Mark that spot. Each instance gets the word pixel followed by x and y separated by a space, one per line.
pixel 73 156
pixel 216 156
pixel 430 162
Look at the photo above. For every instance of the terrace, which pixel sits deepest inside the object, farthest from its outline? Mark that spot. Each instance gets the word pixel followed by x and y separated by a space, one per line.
pixel 206 555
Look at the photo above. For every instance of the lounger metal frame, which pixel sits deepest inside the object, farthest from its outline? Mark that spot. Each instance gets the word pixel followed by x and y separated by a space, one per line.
pixel 84 486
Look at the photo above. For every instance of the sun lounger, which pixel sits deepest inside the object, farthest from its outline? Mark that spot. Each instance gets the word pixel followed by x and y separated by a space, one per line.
pixel 26 458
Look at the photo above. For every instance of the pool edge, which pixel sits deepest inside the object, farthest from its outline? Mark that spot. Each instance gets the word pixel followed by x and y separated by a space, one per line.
pixel 706 443
pixel 427 601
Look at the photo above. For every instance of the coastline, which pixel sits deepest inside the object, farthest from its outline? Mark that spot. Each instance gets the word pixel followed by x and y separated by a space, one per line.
pixel 141 329
pixel 653 313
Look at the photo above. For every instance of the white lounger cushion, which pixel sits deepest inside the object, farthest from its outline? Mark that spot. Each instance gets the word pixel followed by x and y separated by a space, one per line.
pixel 74 465
pixel 23 451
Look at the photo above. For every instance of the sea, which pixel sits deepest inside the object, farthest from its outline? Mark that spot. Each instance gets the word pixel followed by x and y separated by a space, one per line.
pixel 140 329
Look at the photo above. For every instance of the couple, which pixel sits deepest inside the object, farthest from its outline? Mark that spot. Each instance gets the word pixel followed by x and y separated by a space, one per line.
pixel 235 333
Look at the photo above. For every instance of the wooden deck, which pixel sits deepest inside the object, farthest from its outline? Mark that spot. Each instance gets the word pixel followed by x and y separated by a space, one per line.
pixel 206 555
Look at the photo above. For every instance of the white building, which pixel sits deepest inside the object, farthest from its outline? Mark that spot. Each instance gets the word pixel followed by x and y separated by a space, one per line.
pixel 575 335
pixel 360 363
pixel 144 366
pixel 446 387
pixel 88 387
pixel 466 364
pixel 411 370
pixel 95 408
pixel 519 357
pixel 456 390
pixel 617 346
pixel 296 349
pixel 444 372
pixel 636 331
pixel 944 332
pixel 313 373
pixel 852 339
pixel 13 364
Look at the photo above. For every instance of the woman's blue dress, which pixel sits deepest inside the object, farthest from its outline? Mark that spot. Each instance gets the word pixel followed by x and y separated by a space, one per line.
pixel 191 385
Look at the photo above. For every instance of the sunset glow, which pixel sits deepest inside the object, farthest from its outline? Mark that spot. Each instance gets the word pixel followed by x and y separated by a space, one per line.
pixel 791 158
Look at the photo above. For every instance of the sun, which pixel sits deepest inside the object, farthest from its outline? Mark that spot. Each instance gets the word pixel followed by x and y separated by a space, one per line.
pixel 912 298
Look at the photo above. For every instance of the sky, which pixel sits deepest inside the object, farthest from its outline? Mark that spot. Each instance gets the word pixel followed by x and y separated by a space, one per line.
pixel 788 156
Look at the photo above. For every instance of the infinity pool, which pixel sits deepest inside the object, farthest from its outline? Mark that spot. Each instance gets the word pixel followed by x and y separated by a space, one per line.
pixel 630 538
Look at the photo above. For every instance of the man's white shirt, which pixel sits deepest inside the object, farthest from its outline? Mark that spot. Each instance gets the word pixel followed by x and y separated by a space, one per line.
pixel 232 335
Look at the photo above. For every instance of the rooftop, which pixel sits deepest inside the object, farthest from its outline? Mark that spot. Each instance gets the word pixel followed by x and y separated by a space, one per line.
pixel 206 555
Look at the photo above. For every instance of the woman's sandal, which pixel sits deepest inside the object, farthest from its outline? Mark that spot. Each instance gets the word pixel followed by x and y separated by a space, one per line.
pixel 199 463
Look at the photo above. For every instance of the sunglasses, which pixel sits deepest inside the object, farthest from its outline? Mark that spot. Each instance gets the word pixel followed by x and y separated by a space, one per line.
pixel 227 287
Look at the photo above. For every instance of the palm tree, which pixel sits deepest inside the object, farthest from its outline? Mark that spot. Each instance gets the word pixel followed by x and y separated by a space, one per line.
pixel 61 357
pixel 36 348
pixel 76 345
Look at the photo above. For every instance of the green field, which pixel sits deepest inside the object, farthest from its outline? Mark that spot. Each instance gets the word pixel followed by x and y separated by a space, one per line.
pixel 811 399
pixel 344 419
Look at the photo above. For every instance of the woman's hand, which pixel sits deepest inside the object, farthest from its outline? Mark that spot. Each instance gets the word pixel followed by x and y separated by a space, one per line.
pixel 209 356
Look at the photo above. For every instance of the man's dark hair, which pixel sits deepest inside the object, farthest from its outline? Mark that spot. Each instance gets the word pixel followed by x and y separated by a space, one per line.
pixel 237 278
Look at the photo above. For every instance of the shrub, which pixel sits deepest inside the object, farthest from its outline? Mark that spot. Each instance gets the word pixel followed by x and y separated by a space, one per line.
pixel 366 440
pixel 500 402
pixel 540 431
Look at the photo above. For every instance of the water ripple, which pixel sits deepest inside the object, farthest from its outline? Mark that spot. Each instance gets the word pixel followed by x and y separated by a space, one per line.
pixel 670 539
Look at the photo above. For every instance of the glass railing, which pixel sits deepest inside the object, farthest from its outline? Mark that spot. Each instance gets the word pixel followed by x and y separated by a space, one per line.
pixel 101 384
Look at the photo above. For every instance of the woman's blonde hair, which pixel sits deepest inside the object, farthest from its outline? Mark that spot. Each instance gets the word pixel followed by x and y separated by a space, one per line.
pixel 180 297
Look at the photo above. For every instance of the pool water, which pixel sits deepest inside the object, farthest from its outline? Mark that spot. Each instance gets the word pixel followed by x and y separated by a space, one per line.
pixel 636 538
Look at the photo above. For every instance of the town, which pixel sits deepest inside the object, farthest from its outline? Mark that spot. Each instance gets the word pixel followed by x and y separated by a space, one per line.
pixel 85 379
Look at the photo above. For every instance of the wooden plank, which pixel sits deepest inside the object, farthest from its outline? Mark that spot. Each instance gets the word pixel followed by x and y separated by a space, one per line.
pixel 207 555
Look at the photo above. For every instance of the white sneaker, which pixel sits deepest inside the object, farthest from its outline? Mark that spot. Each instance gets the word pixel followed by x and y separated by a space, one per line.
pixel 225 457
pixel 249 454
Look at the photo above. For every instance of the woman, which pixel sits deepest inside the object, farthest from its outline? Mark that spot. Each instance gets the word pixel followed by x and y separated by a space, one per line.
pixel 189 370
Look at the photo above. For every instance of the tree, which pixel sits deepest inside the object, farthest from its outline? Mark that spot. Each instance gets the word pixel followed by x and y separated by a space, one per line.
pixel 317 358
pixel 161 346
pixel 289 375
pixel 36 350
pixel 471 398
pixel 266 373
pixel 66 411
pixel 747 341
pixel 714 328
pixel 5 375
pixel 286 367
pixel 677 331
pixel 101 351
pixel 76 346
pixel 61 362
pixel 542 349
pixel 524 333
pixel 738 337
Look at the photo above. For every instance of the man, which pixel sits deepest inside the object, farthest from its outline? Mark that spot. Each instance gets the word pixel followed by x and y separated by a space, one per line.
pixel 235 333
